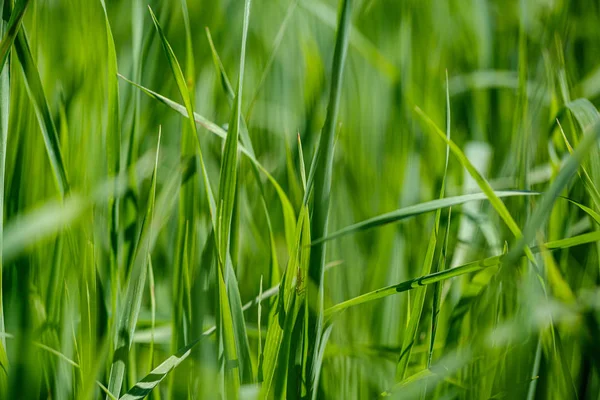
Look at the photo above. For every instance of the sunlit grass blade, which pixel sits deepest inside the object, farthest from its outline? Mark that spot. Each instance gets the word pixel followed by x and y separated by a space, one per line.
pixel 128 315
pixel 42 110
pixel 417 209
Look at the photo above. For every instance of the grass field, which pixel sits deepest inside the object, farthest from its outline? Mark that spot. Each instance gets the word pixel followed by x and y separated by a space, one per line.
pixel 372 199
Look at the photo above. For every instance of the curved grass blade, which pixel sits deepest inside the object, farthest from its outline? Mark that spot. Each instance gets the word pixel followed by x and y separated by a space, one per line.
pixel 42 110
pixel 288 210
pixel 440 276
pixel 135 290
pixel 481 181
pixel 189 107
pixel 10 31
pixel 417 209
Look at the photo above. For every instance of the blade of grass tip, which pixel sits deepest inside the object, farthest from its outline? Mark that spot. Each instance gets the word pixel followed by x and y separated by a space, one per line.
pixel 135 289
pixel 302 167
pixel 437 288
pixel 322 182
pixel 440 276
pixel 481 181
pixel 10 30
pixel 289 216
pixel 410 333
pixel 42 110
pixel 189 108
pixel 541 211
pixel 417 209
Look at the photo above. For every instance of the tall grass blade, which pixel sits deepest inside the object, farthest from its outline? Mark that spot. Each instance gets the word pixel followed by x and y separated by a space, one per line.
pixel 128 315
pixel 42 110
pixel 322 183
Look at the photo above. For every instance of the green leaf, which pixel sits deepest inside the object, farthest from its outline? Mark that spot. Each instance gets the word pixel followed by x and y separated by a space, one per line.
pixel 417 209
pixel 42 110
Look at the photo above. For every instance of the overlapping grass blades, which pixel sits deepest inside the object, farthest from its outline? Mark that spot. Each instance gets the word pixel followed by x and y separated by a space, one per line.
pixel 322 170
pixel 128 314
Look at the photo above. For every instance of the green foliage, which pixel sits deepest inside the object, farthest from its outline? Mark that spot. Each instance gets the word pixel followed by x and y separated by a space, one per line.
pixel 351 248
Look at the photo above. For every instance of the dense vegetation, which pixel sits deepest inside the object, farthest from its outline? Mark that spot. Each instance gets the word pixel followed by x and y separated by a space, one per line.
pixel 373 198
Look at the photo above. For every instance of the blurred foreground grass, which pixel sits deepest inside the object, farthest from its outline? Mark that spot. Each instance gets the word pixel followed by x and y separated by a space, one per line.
pixel 375 199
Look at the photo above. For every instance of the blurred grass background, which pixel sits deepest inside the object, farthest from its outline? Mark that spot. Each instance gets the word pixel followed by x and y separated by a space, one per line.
pixel 514 67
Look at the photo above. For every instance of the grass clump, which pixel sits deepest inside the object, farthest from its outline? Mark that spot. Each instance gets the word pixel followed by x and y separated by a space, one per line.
pixel 321 199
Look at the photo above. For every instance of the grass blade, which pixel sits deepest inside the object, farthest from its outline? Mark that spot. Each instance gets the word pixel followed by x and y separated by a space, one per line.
pixel 417 209
pixel 128 315
pixel 322 183
pixel 10 31
pixel 481 181
pixel 42 110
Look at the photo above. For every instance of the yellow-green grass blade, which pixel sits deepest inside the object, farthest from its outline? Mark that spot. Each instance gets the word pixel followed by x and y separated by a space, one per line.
pixel 481 181
pixel 128 315
pixel 42 110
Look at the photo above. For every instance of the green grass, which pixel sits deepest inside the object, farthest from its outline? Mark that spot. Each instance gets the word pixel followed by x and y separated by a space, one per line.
pixel 302 199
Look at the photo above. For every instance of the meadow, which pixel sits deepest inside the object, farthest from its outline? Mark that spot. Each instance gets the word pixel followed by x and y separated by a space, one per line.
pixel 299 199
